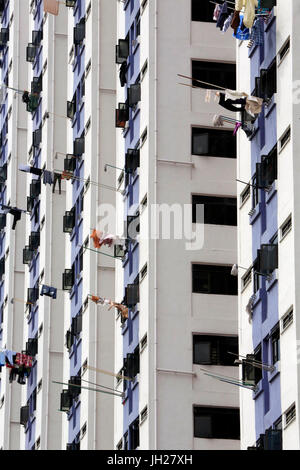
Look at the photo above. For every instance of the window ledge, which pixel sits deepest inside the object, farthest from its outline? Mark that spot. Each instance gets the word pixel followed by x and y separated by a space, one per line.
pixel 259 389
pixel 270 193
pixel 252 49
pixel 135 382
pixel 275 373
pixel 124 327
pixel 274 278
pixel 136 311
pixel 257 298
pixel 254 213
pixel 270 105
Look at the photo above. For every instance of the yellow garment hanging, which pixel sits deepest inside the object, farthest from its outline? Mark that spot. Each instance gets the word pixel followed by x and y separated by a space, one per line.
pixel 249 10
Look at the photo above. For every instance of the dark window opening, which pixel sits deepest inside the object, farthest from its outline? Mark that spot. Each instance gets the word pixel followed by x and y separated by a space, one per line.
pixel 134 430
pixel 275 342
pixel 216 423
pixel 268 81
pixel 211 279
pixel 202 10
pixel 217 210
pixel 215 73
pixel 213 143
pixel 214 350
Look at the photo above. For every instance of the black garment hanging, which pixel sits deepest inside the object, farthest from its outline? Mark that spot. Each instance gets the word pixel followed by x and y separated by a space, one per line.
pixel 57 177
pixel 232 105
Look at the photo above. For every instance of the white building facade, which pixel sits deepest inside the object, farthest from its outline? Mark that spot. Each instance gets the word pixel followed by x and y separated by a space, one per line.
pixel 182 300
pixel 267 231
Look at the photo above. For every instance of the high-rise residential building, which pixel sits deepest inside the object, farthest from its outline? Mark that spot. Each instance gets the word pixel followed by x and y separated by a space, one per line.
pixel 267 228
pixel 181 296
pixel 91 145
pixel 46 53
pixel 111 134
pixel 13 141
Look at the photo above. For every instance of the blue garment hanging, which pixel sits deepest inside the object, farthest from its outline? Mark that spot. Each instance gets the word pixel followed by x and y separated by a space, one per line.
pixel 257 32
pixel 49 291
pixel 242 34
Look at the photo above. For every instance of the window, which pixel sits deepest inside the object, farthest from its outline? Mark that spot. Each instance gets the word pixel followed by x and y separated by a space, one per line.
pixel 119 445
pixel 212 279
pixel 213 143
pixel 252 375
pixel 275 344
pixel 126 441
pixel 245 194
pixel 202 10
pixel 216 423
pixel 284 50
pixel 143 342
pixel 287 319
pixel 290 415
pixel 286 227
pixel 217 210
pixel 255 192
pixel 267 259
pixel 285 138
pixel 134 430
pixel 246 279
pixel 266 171
pixel 213 350
pixel 216 73
pixel 268 81
pixel 256 277
pixel 144 414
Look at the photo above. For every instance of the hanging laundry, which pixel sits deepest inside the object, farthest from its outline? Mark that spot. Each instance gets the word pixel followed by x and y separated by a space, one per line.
pixel 96 234
pixel 227 23
pixel 49 291
pixel 208 96
pixel 110 240
pixel 222 16
pixel 120 307
pixel 48 177
pixel 100 300
pixel 234 94
pixel 257 33
pixel 20 372
pixel 218 121
pixel 217 11
pixel 66 175
pixel 100 239
pixel 30 169
pixel 232 105
pixel 235 20
pixel 57 177
pixel 254 105
pixel 249 13
pixel 242 33
pixel 237 126
pixel 7 357
pixel 23 359
pixel 51 6
pixel 247 123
